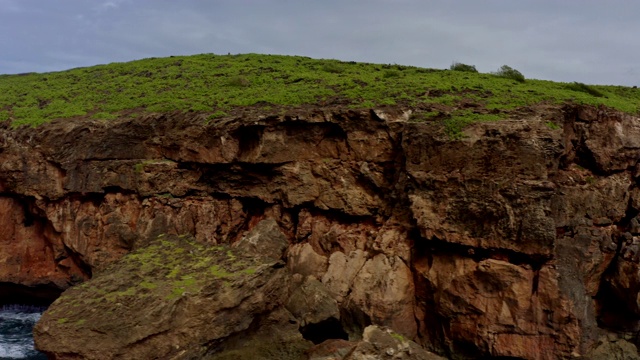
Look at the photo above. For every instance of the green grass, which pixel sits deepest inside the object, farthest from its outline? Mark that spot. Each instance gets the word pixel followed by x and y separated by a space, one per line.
pixel 551 125
pixel 172 266
pixel 217 271
pixel 220 85
pixel 148 285
pixel 460 119
pixel 398 337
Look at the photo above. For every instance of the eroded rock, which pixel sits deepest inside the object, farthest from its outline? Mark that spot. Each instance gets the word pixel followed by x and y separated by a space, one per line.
pixel 264 240
pixel 513 238
pixel 377 343
pixel 342 271
pixel 613 349
pixel 302 259
pixel 498 309
pixel 312 303
pixel 383 290
pixel 166 300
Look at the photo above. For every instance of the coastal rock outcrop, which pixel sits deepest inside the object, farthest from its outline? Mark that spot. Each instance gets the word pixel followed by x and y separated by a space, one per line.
pixel 516 240
pixel 171 299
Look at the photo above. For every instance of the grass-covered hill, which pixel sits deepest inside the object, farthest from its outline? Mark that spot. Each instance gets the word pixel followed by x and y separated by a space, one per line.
pixel 221 85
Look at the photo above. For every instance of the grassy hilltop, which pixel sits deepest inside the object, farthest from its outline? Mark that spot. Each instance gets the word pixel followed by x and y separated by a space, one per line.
pixel 220 85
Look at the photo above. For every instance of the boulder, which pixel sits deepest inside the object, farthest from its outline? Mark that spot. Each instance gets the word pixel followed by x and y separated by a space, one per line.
pixel 171 298
pixel 377 343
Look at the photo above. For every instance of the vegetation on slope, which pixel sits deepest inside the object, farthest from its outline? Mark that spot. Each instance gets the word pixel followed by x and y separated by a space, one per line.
pixel 220 85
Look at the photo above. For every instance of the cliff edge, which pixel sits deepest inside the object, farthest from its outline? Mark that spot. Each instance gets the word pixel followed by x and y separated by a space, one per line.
pixel 517 239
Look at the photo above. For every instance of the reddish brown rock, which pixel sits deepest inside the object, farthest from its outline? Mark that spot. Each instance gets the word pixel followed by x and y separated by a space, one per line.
pixel 383 290
pixel 342 271
pixel 500 308
pixel 172 299
pixel 305 261
pixel 312 304
pixel 29 254
pixel 377 343
pixel 514 237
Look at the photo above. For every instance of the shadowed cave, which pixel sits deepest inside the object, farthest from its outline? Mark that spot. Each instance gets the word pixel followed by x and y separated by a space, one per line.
pixel 324 330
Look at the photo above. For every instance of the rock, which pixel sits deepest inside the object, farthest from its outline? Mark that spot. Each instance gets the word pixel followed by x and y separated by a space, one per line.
pixel 334 349
pixel 383 290
pixel 616 145
pixel 29 255
pixel 265 240
pixel 100 233
pixel 150 304
pixel 489 305
pixel 277 337
pixel 383 343
pixel 512 239
pixel 617 349
pixel 377 343
pixel 342 271
pixel 622 287
pixel 302 259
pixel 393 241
pixel 468 195
pixel 326 235
pixel 311 303
pixel 603 202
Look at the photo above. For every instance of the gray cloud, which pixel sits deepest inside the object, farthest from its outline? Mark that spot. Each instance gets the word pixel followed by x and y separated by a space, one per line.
pixel 587 40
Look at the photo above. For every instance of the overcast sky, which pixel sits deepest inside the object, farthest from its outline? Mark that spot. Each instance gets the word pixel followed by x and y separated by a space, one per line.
pixel 588 41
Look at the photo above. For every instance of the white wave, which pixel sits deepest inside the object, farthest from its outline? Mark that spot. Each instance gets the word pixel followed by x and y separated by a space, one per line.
pixel 15 341
pixel 13 351
pixel 22 308
pixel 23 317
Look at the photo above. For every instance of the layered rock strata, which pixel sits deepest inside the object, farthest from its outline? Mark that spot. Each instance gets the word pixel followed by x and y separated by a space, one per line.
pixel 518 240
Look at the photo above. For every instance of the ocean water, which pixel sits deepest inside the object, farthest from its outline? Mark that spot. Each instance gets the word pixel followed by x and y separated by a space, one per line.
pixel 16 324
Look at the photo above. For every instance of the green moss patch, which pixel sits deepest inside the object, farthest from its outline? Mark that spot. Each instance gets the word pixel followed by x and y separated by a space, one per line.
pixel 170 267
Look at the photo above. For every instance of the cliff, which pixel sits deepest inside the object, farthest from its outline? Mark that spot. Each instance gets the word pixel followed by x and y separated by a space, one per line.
pixel 517 239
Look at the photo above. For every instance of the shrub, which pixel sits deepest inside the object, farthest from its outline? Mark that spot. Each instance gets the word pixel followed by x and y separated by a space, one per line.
pixel 456 66
pixel 239 81
pixel 577 86
pixel 390 74
pixel 333 68
pixel 551 125
pixel 510 73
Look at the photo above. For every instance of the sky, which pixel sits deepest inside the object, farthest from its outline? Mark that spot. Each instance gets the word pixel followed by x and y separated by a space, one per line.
pixel 589 41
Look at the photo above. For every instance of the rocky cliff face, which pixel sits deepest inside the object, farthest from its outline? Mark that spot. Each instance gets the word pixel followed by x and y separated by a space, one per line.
pixel 519 240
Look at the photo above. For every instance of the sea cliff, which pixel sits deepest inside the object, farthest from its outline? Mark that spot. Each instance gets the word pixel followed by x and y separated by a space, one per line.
pixel 325 231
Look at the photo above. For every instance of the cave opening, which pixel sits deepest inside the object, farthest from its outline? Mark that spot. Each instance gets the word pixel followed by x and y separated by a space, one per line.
pixel 39 295
pixel 249 138
pixel 613 310
pixel 325 330
pixel 612 313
